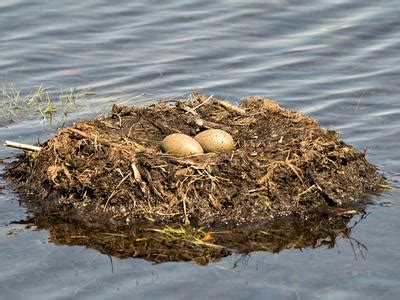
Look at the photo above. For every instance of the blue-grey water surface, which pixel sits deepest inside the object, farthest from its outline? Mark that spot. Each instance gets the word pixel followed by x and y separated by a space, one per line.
pixel 337 60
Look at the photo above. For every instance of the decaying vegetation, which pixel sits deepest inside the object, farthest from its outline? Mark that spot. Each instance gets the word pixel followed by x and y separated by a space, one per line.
pixel 109 174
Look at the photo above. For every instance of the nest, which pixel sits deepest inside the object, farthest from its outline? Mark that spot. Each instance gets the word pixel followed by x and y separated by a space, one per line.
pixel 110 172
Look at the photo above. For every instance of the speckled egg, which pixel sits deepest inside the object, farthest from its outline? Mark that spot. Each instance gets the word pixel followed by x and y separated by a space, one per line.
pixel 180 144
pixel 215 140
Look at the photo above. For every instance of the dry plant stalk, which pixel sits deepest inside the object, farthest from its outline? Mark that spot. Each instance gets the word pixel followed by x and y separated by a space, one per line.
pixel 22 146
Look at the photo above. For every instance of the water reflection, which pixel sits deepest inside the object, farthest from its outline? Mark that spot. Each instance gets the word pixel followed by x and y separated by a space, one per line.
pixel 203 246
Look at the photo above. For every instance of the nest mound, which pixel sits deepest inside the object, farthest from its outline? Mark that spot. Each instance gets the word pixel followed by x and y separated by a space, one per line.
pixel 110 172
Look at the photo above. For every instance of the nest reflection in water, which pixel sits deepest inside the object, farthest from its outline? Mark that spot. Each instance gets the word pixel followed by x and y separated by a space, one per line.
pixel 185 243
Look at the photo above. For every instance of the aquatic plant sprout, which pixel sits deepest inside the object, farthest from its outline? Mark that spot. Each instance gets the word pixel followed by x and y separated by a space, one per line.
pixel 40 102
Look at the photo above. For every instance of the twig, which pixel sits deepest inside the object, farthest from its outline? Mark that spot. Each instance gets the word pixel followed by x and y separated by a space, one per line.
pixel 307 190
pixel 193 110
pixel 136 173
pixel 231 107
pixel 92 136
pixel 116 190
pixel 22 146
pixel 184 209
pixel 206 124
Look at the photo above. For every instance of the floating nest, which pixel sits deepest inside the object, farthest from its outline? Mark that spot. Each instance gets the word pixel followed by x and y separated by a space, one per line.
pixel 109 175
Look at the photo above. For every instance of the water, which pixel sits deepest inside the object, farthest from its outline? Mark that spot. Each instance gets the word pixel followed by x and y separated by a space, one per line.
pixel 335 60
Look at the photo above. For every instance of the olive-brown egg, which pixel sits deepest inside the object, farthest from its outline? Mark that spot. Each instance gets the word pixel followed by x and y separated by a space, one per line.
pixel 180 144
pixel 215 140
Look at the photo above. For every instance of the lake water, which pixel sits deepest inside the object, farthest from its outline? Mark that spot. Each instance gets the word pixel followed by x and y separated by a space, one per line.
pixel 336 60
